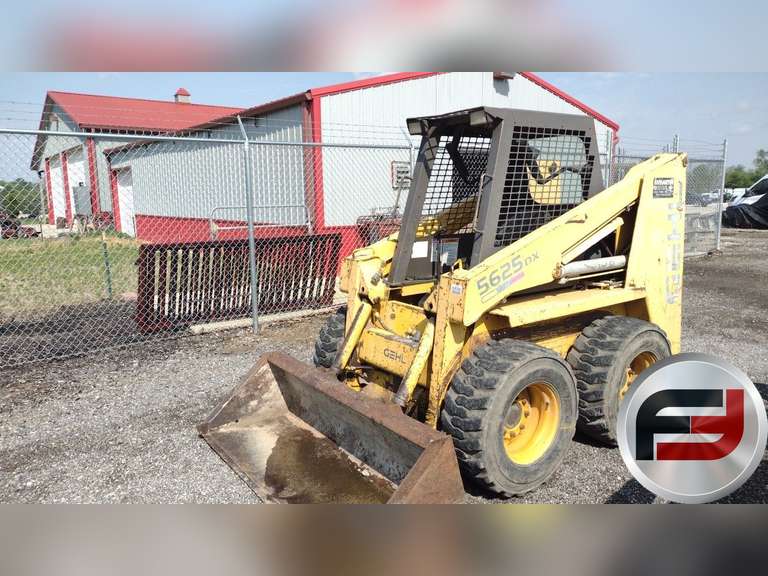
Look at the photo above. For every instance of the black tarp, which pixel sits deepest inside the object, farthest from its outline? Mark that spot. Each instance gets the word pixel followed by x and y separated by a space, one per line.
pixel 747 215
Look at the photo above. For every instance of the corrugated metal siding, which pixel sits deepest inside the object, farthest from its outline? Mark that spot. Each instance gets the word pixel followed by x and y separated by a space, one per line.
pixel 183 180
pixel 278 171
pixel 357 181
pixel 53 145
pixel 190 180
pixel 354 187
pixel 76 174
pixel 57 187
pixel 523 93
pixel 102 170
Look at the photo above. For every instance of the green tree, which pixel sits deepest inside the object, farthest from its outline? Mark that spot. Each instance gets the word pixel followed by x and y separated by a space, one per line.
pixel 739 177
pixel 761 163
pixel 20 197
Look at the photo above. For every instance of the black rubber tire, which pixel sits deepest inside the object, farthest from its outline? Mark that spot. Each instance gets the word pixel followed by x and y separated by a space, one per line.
pixel 329 339
pixel 599 358
pixel 476 404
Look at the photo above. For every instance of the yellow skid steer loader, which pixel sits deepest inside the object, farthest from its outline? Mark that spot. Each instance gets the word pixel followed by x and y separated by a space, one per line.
pixel 518 301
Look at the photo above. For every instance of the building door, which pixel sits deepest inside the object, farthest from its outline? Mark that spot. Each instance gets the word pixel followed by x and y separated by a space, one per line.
pixel 57 188
pixel 75 174
pixel 125 199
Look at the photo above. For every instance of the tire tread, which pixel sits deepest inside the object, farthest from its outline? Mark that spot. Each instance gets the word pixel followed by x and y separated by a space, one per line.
pixel 592 356
pixel 469 395
pixel 329 339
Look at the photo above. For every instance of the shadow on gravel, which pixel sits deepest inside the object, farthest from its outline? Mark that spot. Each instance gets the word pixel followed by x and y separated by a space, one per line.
pixel 754 491
pixel 632 492
pixel 474 490
pixel 587 441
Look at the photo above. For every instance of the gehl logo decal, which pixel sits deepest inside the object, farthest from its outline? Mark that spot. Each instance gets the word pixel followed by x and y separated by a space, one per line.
pixel 730 427
pixel 394 355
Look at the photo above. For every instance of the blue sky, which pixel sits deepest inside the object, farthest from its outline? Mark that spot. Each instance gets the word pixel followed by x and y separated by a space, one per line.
pixel 701 107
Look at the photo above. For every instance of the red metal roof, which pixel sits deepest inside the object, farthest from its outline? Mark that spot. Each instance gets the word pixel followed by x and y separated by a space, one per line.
pixel 369 82
pixel 278 104
pixel 300 97
pixel 117 113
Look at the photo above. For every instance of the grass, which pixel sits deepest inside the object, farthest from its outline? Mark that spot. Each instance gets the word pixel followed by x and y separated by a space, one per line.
pixel 38 275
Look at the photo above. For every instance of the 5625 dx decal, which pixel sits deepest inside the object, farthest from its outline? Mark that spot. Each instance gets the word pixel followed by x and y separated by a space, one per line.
pixel 504 276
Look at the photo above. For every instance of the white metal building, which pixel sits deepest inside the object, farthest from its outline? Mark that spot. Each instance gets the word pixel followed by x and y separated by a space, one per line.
pixel 67 162
pixel 338 185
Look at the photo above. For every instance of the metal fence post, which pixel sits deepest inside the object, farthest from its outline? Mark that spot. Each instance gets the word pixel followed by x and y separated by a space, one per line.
pixel 107 265
pixel 251 239
pixel 720 196
pixel 411 149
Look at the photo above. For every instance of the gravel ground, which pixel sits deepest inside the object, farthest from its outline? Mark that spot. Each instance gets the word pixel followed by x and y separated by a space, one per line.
pixel 120 426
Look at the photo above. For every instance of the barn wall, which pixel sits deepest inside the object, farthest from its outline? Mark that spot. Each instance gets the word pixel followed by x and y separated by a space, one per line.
pixel 77 172
pixel 102 170
pixel 185 181
pixel 278 171
pixel 182 180
pixel 357 181
pixel 53 145
pixel 56 144
pixel 354 185
pixel 57 195
pixel 520 92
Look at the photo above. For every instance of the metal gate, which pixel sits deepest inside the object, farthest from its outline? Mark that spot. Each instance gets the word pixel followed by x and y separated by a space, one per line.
pixel 191 282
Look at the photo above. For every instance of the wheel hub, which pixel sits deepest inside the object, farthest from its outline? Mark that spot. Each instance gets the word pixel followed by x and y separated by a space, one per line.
pixel 637 365
pixel 516 415
pixel 531 423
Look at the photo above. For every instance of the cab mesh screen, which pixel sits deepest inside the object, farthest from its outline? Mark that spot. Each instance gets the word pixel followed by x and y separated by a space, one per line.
pixel 548 173
pixel 452 182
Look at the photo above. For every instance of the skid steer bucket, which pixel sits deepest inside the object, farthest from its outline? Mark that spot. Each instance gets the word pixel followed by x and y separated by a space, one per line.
pixel 296 434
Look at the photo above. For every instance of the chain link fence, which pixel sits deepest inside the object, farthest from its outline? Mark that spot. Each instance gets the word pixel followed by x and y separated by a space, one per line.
pixel 704 184
pixel 112 239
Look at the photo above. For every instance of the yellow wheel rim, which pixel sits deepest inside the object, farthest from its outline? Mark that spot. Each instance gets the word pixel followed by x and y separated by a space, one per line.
pixel 638 364
pixel 532 423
